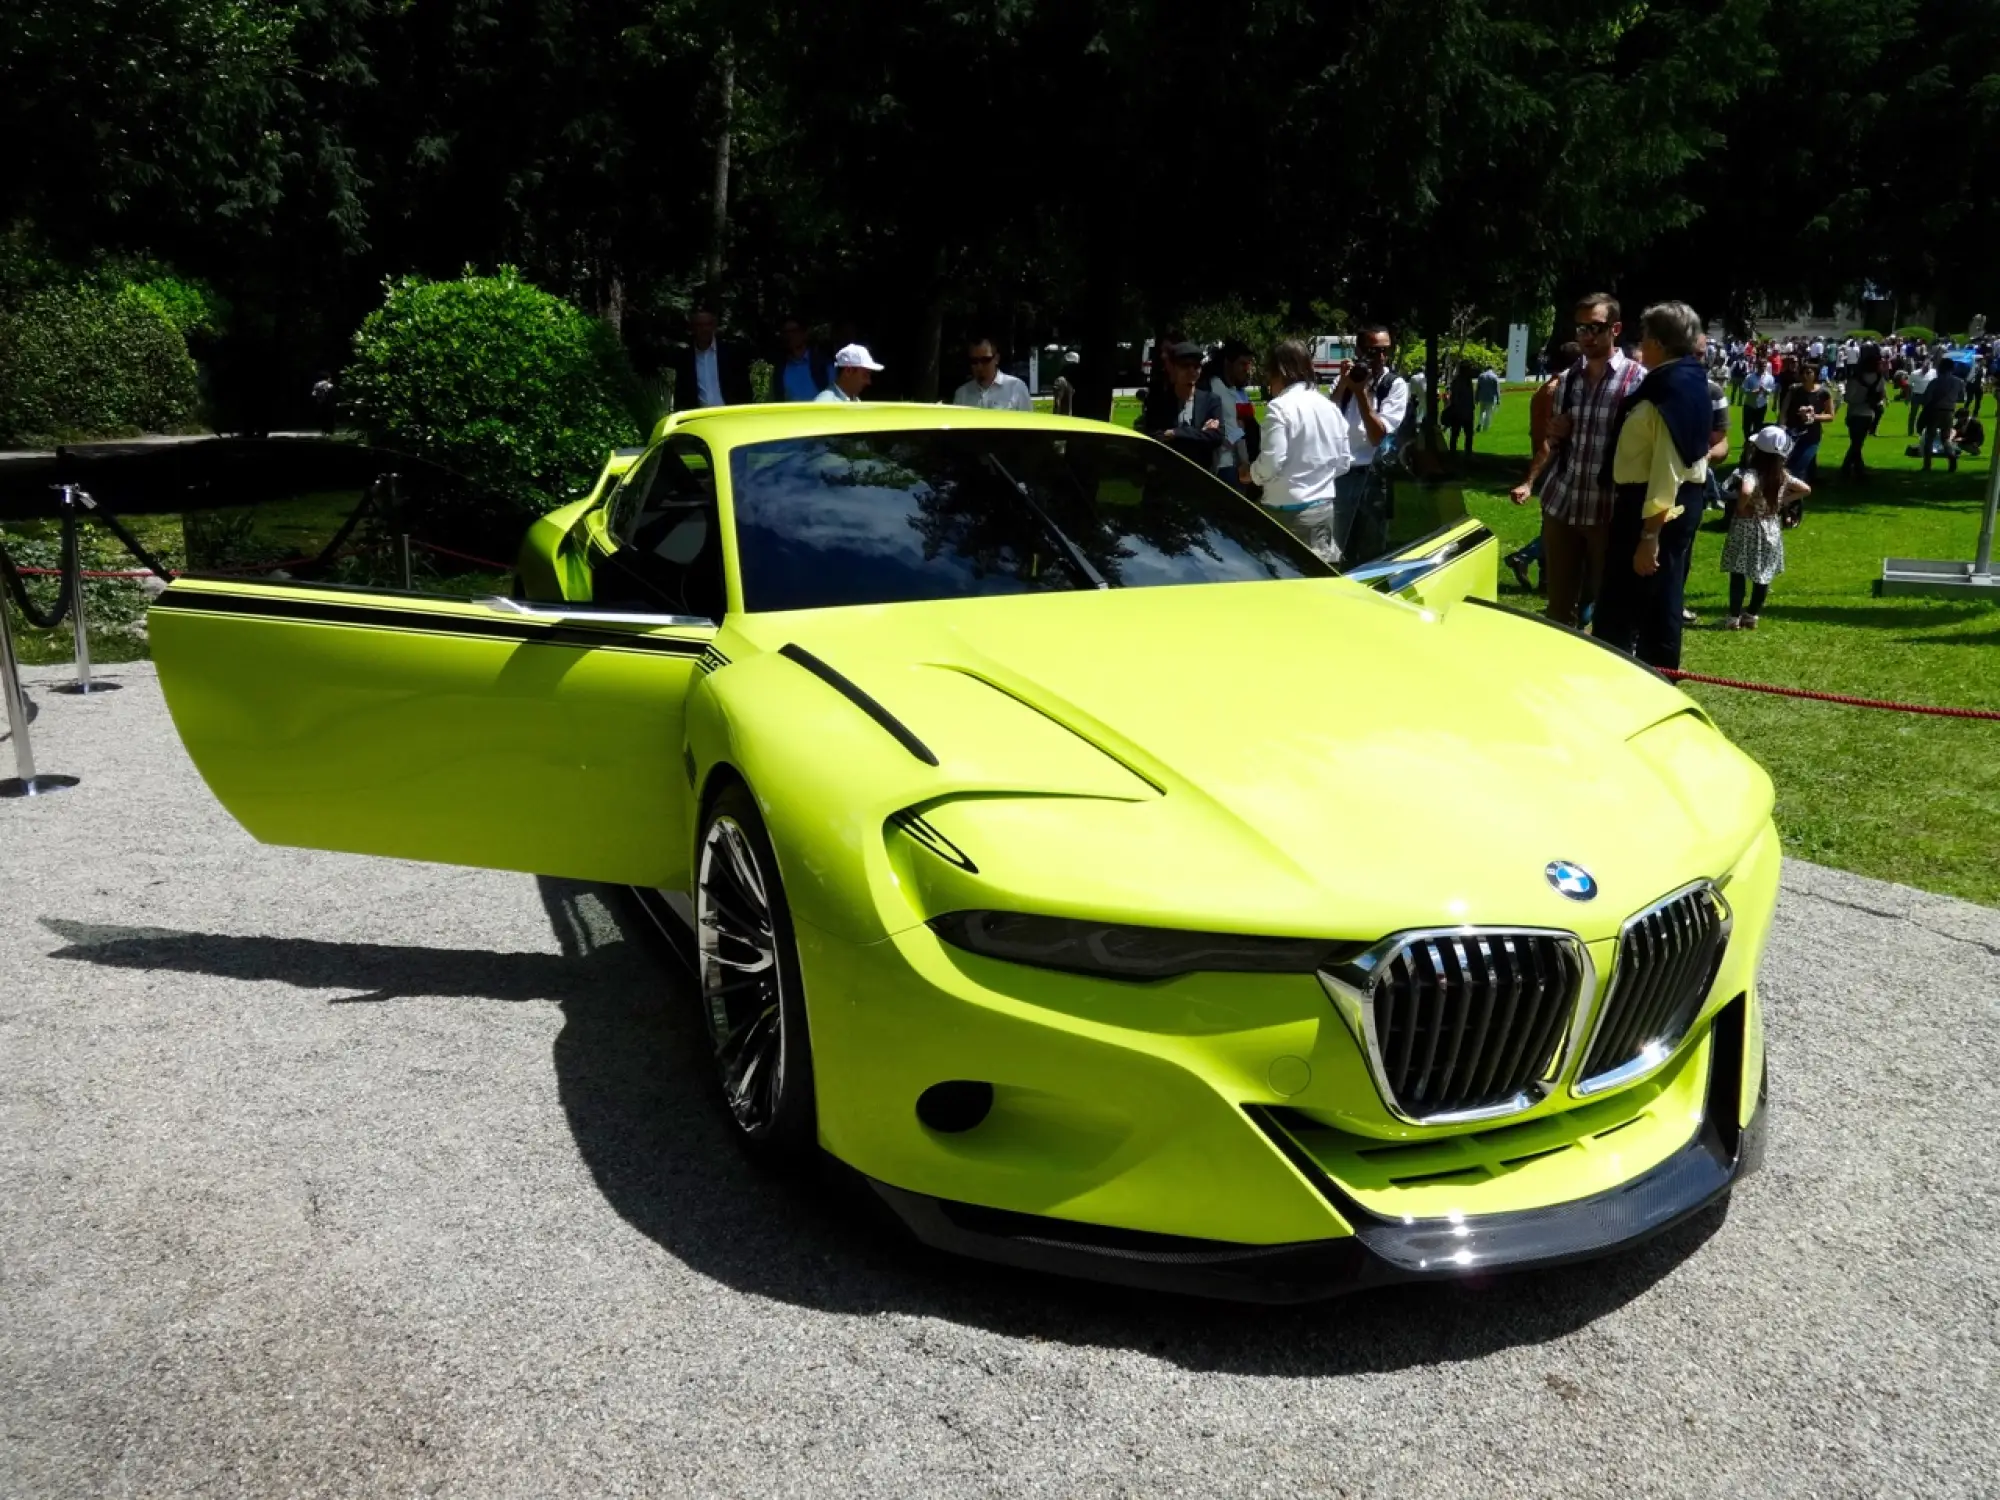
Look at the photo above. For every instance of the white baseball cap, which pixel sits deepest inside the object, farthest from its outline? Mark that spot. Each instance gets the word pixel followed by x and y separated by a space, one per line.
pixel 855 357
pixel 1773 440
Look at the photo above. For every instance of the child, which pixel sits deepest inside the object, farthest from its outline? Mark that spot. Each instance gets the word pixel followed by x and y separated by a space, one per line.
pixel 1755 551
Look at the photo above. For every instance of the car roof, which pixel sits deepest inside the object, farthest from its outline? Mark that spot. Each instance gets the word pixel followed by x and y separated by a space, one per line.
pixel 732 426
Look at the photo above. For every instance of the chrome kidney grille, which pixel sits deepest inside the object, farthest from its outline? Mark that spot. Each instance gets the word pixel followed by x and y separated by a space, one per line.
pixel 1465 1024
pixel 1668 956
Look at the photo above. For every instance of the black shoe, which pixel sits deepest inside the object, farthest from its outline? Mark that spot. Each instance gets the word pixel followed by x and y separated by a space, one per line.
pixel 1518 565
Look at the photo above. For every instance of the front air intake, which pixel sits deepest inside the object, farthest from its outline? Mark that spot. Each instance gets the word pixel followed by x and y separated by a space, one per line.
pixel 1467 1023
pixel 1668 957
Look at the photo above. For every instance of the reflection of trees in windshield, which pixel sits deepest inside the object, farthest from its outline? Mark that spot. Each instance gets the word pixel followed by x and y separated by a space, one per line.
pixel 963 516
pixel 881 517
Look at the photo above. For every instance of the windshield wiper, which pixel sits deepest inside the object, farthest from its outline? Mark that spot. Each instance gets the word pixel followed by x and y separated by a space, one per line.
pixel 1048 523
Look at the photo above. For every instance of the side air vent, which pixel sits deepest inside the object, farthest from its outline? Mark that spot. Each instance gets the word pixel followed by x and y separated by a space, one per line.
pixel 895 727
pixel 914 825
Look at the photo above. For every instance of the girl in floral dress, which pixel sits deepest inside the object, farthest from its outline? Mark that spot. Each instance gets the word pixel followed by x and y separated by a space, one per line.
pixel 1755 551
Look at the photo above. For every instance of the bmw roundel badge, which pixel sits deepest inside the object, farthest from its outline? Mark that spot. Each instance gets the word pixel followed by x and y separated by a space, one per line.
pixel 1573 880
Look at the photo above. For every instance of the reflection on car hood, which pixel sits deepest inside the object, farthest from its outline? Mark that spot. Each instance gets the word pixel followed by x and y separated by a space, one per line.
pixel 1323 755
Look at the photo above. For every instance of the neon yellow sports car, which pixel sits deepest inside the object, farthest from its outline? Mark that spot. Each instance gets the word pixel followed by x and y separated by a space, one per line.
pixel 1060 845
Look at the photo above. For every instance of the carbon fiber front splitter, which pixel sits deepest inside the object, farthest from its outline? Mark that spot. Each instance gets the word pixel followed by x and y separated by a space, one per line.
pixel 1380 1251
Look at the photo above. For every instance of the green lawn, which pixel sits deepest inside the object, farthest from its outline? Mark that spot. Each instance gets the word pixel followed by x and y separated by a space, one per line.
pixel 1906 798
pixel 1902 797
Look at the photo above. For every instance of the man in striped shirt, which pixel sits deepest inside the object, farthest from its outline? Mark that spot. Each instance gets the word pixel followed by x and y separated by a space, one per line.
pixel 1576 501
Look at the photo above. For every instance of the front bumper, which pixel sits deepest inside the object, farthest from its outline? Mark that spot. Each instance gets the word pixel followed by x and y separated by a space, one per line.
pixel 1380 1250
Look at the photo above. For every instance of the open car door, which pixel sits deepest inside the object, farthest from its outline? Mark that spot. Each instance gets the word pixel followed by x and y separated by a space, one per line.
pixel 516 736
pixel 1457 561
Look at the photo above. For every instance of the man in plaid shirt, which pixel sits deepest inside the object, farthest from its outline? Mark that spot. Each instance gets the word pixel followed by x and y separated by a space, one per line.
pixel 1576 500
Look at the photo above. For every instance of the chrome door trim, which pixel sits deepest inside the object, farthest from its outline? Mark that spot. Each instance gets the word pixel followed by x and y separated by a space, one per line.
pixel 583 614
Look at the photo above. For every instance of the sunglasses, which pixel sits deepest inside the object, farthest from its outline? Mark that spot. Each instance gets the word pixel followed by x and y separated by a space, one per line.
pixel 983 359
pixel 1590 329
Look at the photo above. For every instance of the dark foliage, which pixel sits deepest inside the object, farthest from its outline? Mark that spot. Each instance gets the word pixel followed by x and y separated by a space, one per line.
pixel 91 361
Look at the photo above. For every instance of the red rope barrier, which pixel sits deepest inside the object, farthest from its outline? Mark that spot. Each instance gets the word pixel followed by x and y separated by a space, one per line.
pixel 1790 692
pixel 485 562
pixel 271 567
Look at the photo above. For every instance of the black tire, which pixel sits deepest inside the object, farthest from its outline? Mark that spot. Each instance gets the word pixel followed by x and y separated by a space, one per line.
pixel 752 1000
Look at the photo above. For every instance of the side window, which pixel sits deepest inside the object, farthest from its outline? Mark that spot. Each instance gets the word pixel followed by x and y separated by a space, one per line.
pixel 670 545
pixel 629 499
pixel 693 455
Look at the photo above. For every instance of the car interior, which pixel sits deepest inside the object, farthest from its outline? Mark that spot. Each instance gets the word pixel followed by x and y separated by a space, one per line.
pixel 669 554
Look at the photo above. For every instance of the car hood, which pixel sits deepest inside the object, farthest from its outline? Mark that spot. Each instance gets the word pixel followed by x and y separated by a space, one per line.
pixel 1306 756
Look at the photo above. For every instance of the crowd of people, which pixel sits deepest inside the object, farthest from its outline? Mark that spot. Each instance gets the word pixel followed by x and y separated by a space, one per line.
pixel 1627 439
pixel 1804 385
pixel 1626 455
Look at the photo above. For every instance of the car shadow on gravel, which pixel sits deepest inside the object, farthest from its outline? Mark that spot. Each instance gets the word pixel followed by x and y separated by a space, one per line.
pixel 633 1079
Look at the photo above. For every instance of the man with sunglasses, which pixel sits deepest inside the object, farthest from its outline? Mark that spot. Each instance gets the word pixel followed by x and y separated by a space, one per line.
pixel 1576 498
pixel 991 387
pixel 1182 415
pixel 1375 400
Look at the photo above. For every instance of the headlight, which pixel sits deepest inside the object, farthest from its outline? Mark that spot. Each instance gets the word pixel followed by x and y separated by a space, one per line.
pixel 1120 952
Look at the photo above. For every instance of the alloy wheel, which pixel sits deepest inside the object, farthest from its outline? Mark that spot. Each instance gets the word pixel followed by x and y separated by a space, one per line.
pixel 741 980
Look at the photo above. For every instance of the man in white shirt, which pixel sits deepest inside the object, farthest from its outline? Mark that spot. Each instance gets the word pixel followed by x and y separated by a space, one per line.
pixel 853 369
pixel 1304 452
pixel 1374 399
pixel 991 388
pixel 1920 382
pixel 1759 386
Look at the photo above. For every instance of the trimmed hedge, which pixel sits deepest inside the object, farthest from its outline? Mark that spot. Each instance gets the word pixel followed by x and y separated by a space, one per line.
pixel 1917 331
pixel 493 378
pixel 90 362
pixel 191 306
pixel 1410 358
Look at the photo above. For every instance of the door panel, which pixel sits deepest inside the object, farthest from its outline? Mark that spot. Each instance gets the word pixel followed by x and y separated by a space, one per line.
pixel 435 728
pixel 1456 561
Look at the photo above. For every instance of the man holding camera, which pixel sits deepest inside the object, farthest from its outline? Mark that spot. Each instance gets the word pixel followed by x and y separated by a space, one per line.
pixel 1374 399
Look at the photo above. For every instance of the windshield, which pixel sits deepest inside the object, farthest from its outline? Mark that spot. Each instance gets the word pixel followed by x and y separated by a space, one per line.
pixel 889 517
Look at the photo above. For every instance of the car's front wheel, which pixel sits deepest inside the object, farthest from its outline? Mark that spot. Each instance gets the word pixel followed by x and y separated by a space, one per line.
pixel 750 992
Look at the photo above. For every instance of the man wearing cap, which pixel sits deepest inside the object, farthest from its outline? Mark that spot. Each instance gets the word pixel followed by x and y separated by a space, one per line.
pixel 991 387
pixel 853 368
pixel 1182 415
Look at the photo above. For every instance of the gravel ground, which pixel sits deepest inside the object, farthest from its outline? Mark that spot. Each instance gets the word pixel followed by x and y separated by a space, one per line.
pixel 331 1176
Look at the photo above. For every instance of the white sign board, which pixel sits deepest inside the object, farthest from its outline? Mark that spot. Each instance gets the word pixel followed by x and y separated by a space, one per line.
pixel 1517 351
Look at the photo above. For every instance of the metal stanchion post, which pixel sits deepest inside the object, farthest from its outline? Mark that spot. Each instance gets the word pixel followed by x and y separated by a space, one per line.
pixel 25 783
pixel 403 547
pixel 1982 557
pixel 73 499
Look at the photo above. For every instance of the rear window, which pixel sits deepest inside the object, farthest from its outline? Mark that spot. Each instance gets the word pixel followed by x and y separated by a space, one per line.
pixel 891 517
